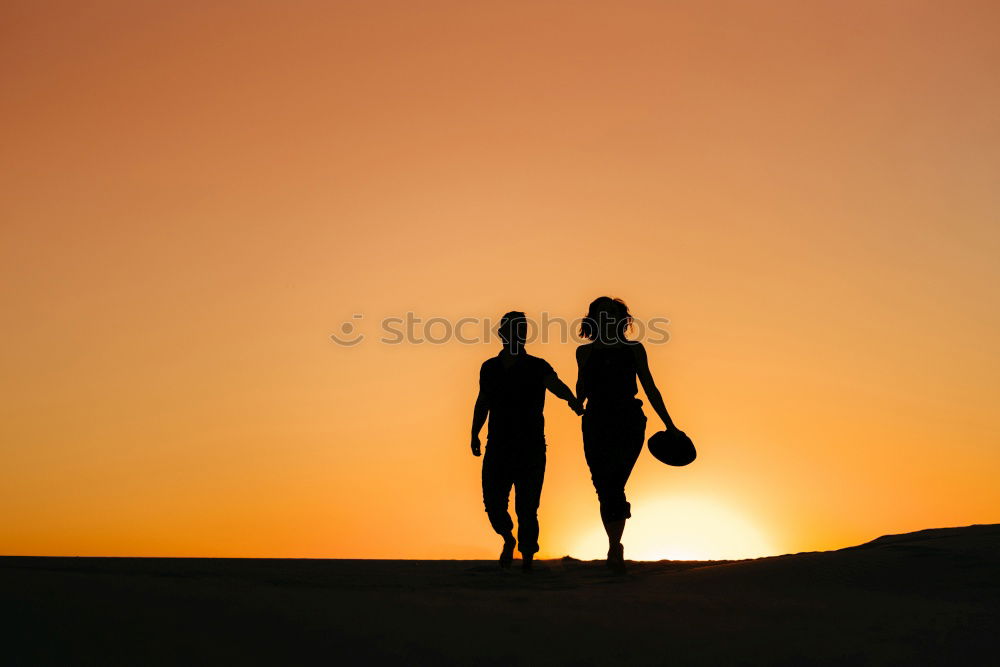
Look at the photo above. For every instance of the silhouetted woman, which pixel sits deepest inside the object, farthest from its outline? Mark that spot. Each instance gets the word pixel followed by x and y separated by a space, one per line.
pixel 614 426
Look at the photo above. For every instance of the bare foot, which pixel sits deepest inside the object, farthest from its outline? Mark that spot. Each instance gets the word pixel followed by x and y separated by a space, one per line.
pixel 507 555
pixel 616 559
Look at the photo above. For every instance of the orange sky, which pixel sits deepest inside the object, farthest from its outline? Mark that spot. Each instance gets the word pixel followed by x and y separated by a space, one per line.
pixel 193 198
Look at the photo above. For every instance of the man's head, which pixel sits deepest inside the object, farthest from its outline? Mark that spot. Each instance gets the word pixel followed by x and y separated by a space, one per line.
pixel 513 329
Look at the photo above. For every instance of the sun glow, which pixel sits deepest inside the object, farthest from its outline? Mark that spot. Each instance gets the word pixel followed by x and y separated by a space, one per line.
pixel 682 528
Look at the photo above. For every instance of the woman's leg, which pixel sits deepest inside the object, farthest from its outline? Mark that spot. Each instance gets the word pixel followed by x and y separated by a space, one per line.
pixel 614 529
pixel 608 474
pixel 629 438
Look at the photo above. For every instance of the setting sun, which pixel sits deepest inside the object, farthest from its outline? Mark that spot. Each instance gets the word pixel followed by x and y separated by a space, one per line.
pixel 683 528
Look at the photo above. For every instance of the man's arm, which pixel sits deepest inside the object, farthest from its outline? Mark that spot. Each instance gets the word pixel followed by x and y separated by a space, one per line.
pixel 479 413
pixel 478 419
pixel 559 388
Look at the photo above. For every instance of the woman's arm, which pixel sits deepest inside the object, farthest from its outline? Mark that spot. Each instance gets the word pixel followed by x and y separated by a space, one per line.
pixel 648 386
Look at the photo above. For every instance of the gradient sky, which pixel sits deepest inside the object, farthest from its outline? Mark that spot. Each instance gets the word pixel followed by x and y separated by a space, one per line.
pixel 196 195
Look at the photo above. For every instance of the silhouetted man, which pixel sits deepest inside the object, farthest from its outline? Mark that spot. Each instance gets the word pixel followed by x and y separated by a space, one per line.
pixel 512 391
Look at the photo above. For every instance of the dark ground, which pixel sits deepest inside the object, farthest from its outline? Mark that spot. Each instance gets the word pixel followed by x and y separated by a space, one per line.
pixel 931 597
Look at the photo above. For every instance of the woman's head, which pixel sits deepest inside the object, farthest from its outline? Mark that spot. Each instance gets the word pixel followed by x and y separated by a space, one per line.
pixel 607 320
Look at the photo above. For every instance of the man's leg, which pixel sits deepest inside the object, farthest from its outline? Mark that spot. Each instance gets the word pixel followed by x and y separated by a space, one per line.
pixel 528 492
pixel 497 481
